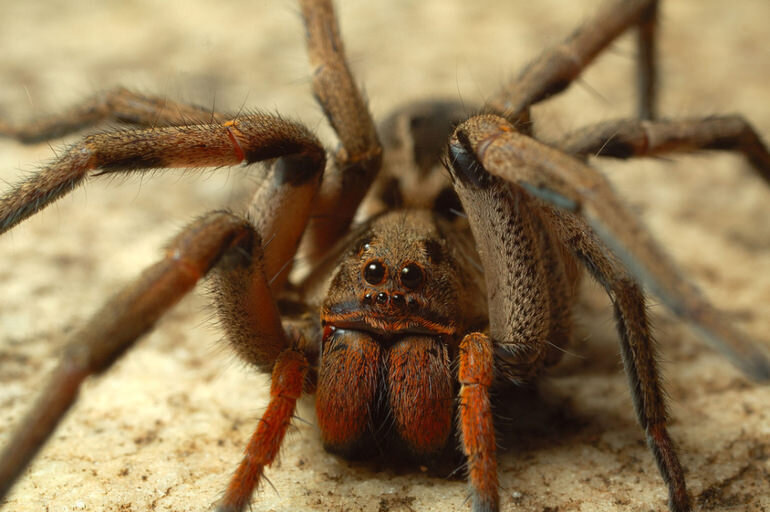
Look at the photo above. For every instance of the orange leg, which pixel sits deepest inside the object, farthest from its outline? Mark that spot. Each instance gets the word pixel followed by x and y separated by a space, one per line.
pixel 476 425
pixel 287 382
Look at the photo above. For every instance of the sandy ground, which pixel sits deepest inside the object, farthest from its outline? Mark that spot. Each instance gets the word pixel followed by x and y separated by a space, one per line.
pixel 165 427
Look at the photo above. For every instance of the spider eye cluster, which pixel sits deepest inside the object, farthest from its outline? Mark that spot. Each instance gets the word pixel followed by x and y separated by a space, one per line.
pixel 411 275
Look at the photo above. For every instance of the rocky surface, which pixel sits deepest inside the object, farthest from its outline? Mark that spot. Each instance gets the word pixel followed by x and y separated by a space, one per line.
pixel 165 427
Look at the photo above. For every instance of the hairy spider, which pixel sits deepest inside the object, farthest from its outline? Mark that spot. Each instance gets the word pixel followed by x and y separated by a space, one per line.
pixel 470 166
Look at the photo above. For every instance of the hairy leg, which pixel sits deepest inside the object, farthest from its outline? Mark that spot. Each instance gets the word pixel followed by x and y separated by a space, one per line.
pixel 628 138
pixel 119 104
pixel 475 373
pixel 248 308
pixel 513 253
pixel 248 139
pixel 358 160
pixel 557 67
pixel 286 387
pixel 637 344
pixel 122 320
pixel 491 144
pixel 637 347
pixel 530 294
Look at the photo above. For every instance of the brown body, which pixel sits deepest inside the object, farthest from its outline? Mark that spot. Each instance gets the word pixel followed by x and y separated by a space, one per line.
pixel 410 332
pixel 397 319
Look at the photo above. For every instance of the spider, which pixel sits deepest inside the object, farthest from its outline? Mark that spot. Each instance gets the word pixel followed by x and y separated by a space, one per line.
pixel 455 159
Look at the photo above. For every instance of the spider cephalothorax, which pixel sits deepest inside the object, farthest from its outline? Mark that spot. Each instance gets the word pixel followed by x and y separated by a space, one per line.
pixel 404 276
pixel 453 284
pixel 396 308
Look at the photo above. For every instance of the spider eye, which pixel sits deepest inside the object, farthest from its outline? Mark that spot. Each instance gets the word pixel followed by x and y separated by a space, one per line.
pixel 412 275
pixel 374 272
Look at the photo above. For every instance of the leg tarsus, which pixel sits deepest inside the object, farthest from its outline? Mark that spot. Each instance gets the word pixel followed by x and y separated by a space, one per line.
pixel 662 447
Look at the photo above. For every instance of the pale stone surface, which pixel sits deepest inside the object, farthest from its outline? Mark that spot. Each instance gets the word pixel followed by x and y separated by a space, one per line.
pixel 165 427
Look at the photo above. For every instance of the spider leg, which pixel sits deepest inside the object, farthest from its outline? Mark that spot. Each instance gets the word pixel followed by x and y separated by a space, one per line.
pixel 629 137
pixel 646 71
pixel 131 313
pixel 556 68
pixel 530 291
pixel 475 373
pixel 244 288
pixel 118 104
pixel 637 344
pixel 637 347
pixel 244 285
pixel 286 386
pixel 247 139
pixel 359 157
pixel 520 279
pixel 219 238
pixel 490 143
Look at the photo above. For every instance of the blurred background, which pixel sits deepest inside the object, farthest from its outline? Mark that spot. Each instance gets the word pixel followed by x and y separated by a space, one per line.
pixel 165 428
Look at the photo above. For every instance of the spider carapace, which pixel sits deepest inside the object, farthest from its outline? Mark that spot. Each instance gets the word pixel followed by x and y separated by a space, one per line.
pixel 453 284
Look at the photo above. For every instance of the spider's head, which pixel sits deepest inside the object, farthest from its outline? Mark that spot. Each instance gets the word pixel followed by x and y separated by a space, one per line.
pixel 399 278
